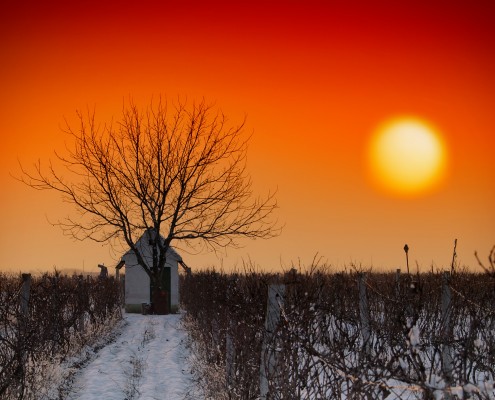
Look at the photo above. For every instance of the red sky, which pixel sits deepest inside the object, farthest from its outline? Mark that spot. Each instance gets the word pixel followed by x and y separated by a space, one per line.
pixel 314 79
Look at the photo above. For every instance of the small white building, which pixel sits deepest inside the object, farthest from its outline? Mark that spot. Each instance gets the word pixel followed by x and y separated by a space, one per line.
pixel 137 281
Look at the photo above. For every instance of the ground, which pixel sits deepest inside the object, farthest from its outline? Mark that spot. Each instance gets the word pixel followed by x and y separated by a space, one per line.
pixel 147 360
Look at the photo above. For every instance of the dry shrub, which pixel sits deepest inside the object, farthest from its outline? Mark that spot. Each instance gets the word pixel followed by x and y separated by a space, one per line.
pixel 64 314
pixel 318 343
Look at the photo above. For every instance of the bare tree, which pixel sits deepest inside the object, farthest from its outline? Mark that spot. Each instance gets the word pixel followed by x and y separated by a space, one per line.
pixel 179 170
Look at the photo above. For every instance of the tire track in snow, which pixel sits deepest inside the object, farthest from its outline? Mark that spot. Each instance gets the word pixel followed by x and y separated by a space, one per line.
pixel 147 361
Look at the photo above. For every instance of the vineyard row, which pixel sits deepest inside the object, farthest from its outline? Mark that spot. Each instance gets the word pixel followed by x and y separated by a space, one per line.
pixel 44 320
pixel 342 335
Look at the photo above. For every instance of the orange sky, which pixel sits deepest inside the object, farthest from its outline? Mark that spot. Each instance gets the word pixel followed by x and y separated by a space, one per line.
pixel 314 78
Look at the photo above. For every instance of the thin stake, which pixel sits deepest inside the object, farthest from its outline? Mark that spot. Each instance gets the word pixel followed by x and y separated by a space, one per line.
pixel 406 249
pixel 454 255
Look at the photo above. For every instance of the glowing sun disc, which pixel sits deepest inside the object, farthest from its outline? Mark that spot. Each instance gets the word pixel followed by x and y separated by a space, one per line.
pixel 407 156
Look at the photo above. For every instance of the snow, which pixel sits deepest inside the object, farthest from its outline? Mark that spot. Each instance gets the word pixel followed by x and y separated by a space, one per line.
pixel 414 336
pixel 148 360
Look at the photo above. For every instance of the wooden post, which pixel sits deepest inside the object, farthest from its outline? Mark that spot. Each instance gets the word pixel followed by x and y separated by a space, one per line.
pixel 23 321
pixel 80 320
pixel 397 283
pixel 447 366
pixel 55 306
pixel 122 290
pixel 25 292
pixel 406 249
pixel 229 357
pixel 364 312
pixel 215 329
pixel 454 255
pixel 275 303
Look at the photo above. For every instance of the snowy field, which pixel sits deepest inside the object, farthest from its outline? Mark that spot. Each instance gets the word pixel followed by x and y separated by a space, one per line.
pixel 148 360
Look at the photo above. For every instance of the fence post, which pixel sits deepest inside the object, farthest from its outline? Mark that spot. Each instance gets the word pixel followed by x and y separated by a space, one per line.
pixel 268 353
pixel 447 334
pixel 397 283
pixel 25 292
pixel 58 330
pixel 80 318
pixel 23 324
pixel 24 304
pixel 364 312
pixel 230 357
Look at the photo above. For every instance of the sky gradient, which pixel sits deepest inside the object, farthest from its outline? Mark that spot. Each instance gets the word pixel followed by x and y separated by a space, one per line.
pixel 314 80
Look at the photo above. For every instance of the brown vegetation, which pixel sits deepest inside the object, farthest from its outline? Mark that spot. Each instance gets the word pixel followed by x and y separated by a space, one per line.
pixel 402 335
pixel 46 319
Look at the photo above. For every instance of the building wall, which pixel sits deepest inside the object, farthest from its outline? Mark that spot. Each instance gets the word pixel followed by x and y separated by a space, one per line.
pixel 137 285
pixel 137 281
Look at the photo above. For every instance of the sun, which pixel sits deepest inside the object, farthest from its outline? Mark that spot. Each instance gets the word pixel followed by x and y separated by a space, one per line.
pixel 407 156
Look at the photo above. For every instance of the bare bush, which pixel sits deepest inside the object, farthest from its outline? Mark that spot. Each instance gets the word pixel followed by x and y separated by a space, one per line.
pixel 427 336
pixel 61 316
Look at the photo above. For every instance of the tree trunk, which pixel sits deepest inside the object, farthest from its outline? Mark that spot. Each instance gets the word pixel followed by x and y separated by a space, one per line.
pixel 160 304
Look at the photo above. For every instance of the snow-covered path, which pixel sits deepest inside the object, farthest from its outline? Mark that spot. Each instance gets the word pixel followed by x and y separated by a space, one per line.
pixel 148 360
